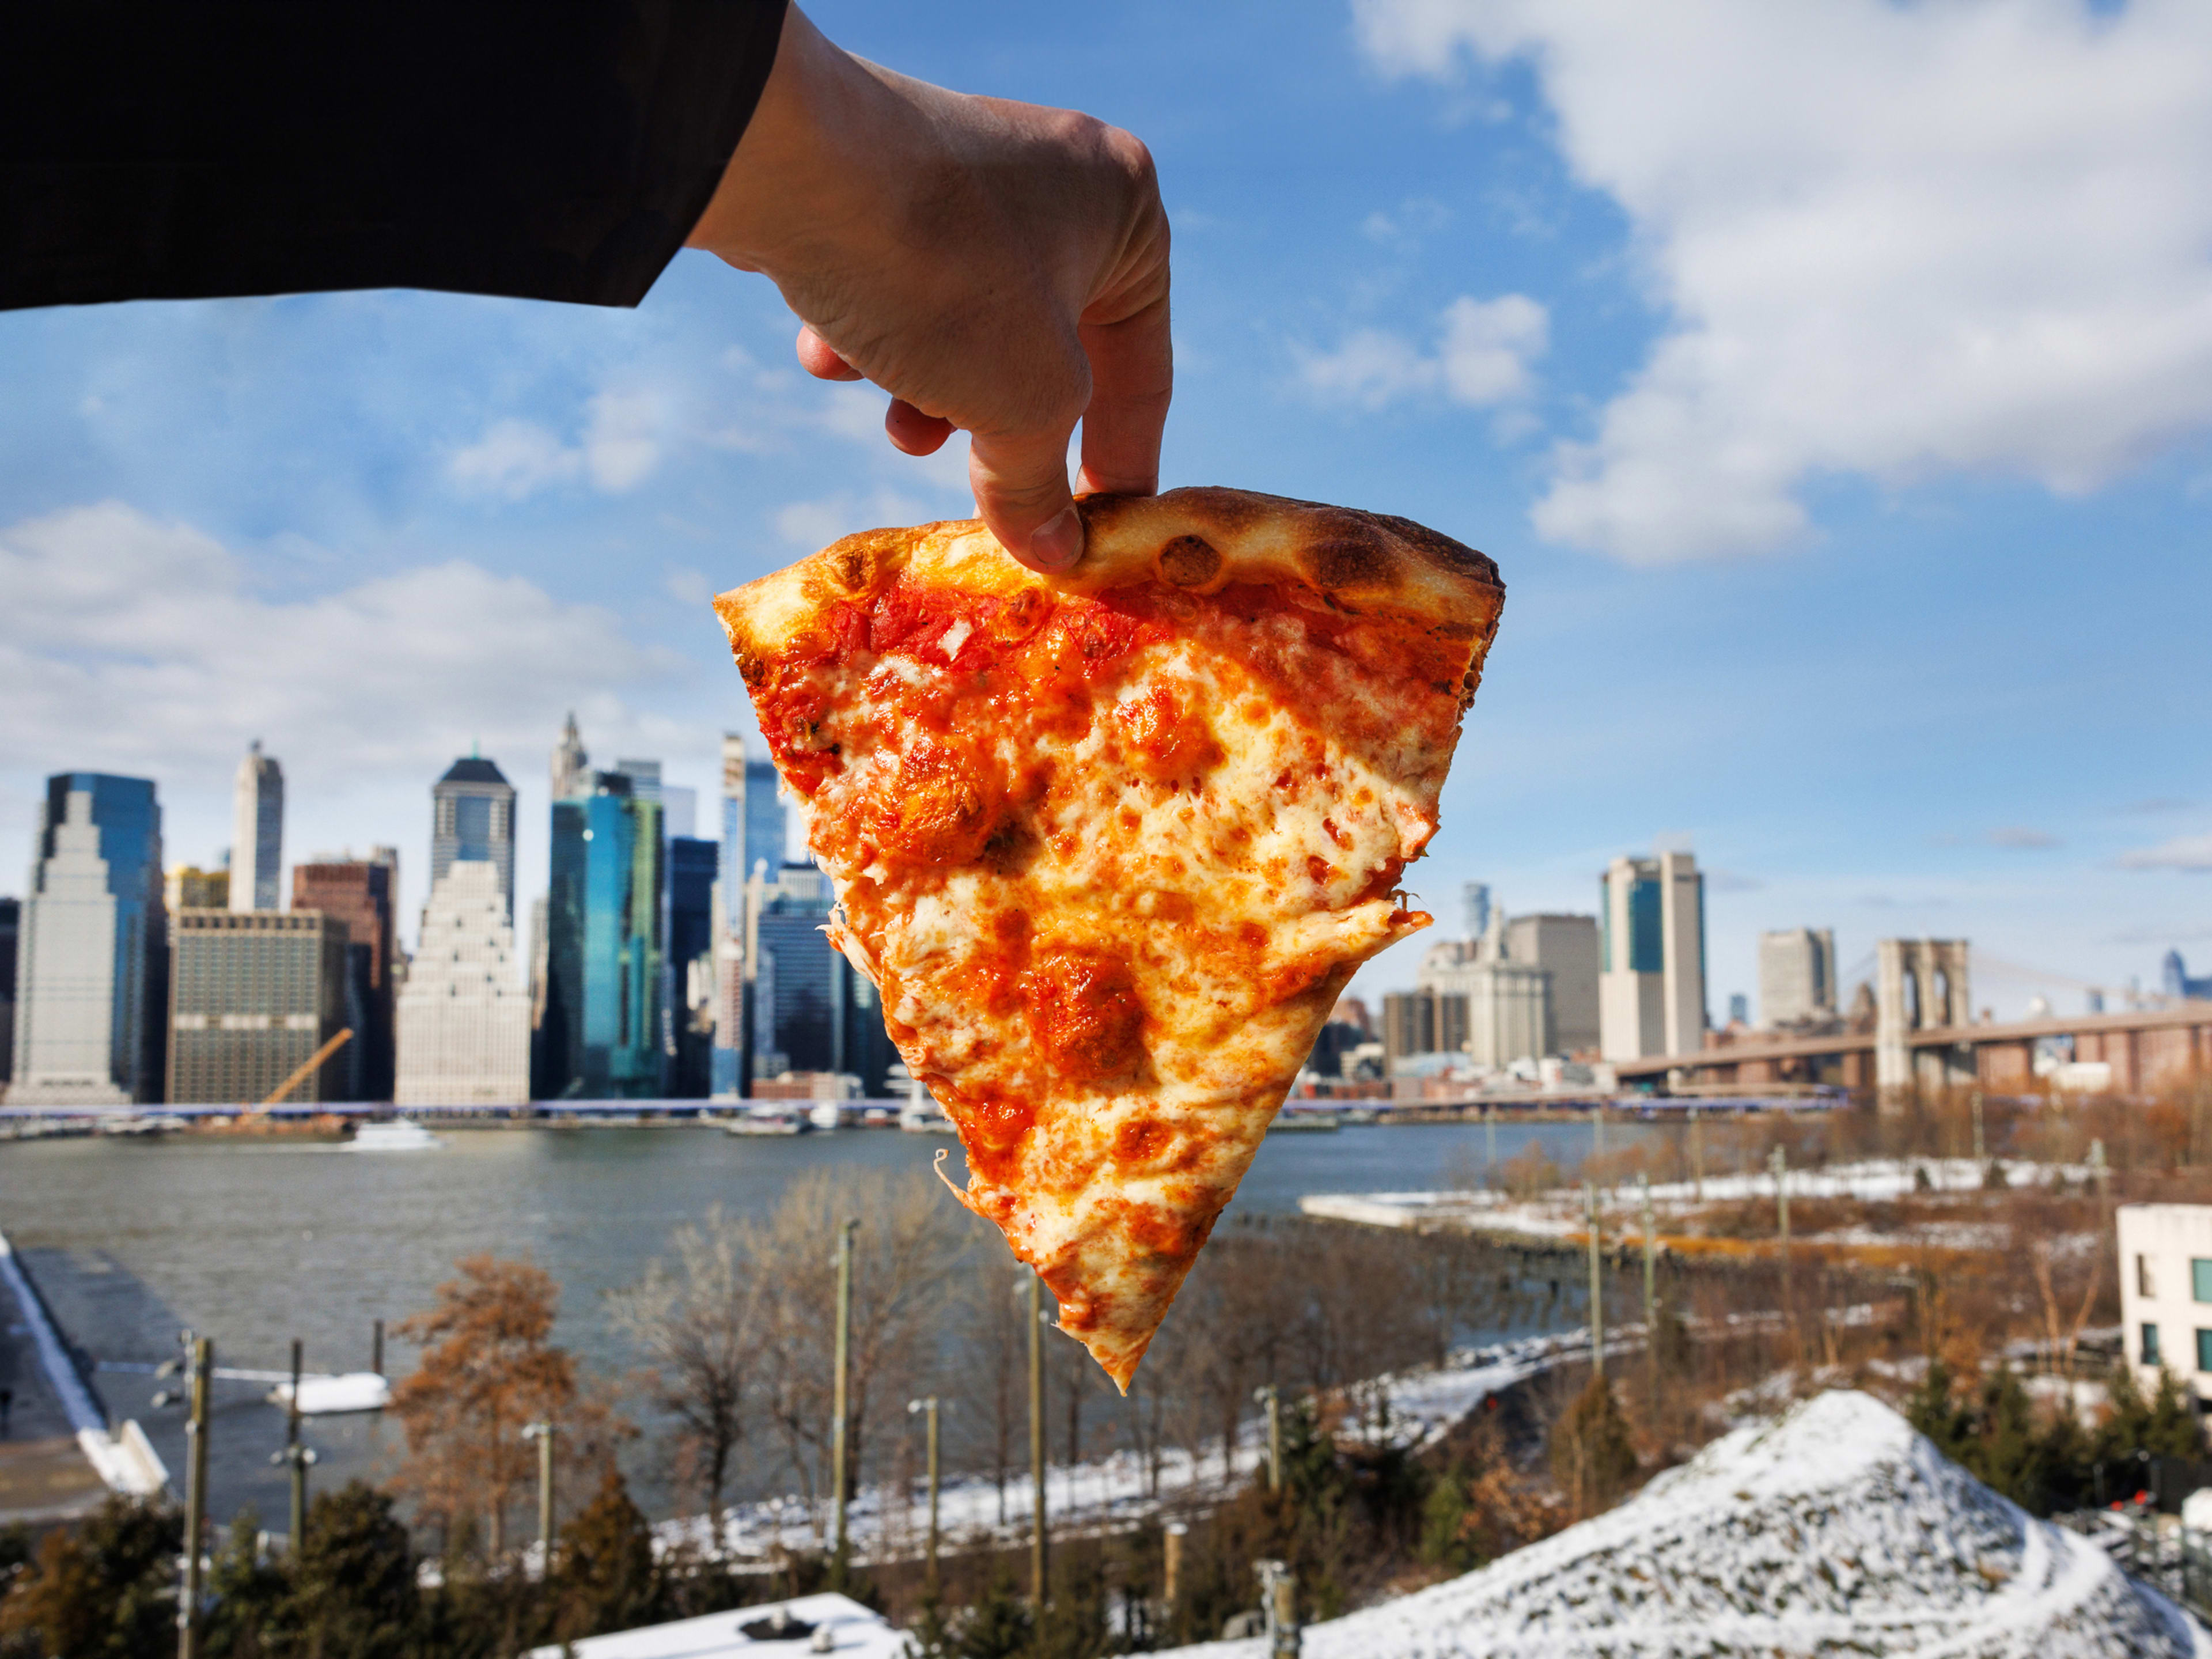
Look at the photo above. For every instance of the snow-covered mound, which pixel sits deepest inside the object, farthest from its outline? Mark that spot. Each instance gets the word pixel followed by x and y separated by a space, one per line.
pixel 1833 1530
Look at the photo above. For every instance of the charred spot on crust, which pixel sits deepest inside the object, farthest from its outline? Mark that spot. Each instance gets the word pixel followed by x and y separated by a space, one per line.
pixel 1188 562
pixel 1342 562
pixel 855 565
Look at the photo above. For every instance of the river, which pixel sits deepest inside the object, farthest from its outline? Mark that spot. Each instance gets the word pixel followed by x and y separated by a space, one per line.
pixel 253 1244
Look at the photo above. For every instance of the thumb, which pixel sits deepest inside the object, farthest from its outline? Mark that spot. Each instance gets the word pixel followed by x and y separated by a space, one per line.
pixel 1020 482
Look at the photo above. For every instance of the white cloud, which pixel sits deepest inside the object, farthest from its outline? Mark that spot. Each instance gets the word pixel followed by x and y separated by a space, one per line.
pixel 2192 853
pixel 625 437
pixel 1894 242
pixel 513 459
pixel 135 645
pixel 1482 356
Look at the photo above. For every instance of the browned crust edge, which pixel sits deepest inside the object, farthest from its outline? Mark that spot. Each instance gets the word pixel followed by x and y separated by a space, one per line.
pixel 1198 538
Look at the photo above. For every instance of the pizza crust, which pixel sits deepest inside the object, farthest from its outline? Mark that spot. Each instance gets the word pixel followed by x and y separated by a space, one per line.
pixel 1198 540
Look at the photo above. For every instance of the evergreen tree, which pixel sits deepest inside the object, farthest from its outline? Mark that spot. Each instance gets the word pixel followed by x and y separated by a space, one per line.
pixel 246 1597
pixel 604 1579
pixel 1593 1452
pixel 1931 1410
pixel 103 1589
pixel 354 1582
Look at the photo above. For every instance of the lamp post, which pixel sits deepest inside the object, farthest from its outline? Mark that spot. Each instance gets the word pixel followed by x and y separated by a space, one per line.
pixel 929 1408
pixel 1650 1290
pixel 1271 1397
pixel 542 1431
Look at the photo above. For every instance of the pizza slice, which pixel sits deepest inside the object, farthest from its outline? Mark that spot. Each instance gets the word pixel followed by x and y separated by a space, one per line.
pixel 1110 843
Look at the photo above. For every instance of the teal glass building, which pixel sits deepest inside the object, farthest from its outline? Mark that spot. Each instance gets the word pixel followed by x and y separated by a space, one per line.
pixel 601 1037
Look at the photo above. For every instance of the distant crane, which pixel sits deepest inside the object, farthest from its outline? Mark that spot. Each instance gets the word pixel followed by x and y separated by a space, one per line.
pixel 307 1069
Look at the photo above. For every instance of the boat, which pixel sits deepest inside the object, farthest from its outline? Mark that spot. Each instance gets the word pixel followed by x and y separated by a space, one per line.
pixel 1290 1120
pixel 401 1134
pixel 826 1114
pixel 1351 1115
pixel 333 1396
pixel 765 1121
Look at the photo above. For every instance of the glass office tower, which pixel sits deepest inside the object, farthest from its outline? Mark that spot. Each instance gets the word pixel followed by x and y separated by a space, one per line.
pixel 601 1038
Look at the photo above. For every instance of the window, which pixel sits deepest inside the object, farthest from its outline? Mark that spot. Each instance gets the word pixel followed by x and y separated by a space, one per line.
pixel 2200 1279
pixel 2145 1285
pixel 2150 1344
pixel 2205 1350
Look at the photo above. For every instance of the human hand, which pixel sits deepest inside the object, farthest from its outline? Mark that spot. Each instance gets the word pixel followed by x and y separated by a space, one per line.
pixel 998 268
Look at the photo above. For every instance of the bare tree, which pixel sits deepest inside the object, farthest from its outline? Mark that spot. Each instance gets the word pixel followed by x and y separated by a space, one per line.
pixel 910 1247
pixel 699 1326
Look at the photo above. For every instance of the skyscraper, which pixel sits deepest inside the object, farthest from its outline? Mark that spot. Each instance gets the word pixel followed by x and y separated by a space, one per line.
pixel 92 974
pixel 257 833
pixel 463 1017
pixel 691 869
pixel 361 893
pixel 568 777
pixel 753 837
pixel 472 809
pixel 252 996
pixel 601 1036
pixel 11 928
pixel 1796 975
pixel 811 1011
pixel 1651 980
pixel 1567 947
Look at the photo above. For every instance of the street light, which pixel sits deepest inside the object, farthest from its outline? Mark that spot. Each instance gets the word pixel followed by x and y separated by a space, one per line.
pixel 541 1432
pixel 929 1407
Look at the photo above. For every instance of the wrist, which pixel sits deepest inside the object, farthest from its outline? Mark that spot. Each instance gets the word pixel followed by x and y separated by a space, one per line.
pixel 809 180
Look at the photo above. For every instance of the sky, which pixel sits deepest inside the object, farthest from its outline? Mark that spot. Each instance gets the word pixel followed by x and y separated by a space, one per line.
pixel 1833 383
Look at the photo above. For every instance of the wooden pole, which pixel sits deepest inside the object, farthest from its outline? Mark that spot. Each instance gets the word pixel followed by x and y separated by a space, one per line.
pixel 196 1499
pixel 1038 1562
pixel 1596 1281
pixel 1271 1397
pixel 292 1453
pixel 1697 1157
pixel 838 1408
pixel 928 1407
pixel 1779 1163
pixel 1171 1574
pixel 1650 1290
pixel 376 1348
pixel 545 1500
pixel 1490 1143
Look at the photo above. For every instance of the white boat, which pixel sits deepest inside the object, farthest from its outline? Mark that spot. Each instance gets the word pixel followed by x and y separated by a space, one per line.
pixel 765 1121
pixel 401 1134
pixel 332 1396
pixel 826 1114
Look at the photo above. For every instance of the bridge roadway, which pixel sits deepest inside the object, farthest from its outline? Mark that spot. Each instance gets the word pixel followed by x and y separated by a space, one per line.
pixel 2149 1049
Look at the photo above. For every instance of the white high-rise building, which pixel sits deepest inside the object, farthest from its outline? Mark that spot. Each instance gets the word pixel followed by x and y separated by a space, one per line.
pixel 1652 976
pixel 1507 1004
pixel 464 1017
pixel 1796 975
pixel 257 833
pixel 93 954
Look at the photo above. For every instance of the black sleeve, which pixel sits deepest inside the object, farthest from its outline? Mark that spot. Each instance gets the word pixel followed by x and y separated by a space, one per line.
pixel 552 149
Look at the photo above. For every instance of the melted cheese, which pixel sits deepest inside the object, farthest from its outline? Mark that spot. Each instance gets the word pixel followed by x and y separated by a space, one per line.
pixel 1110 892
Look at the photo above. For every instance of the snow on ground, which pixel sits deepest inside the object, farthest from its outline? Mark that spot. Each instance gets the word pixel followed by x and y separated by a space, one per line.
pixel 1559 1214
pixel 1833 1530
pixel 1411 1408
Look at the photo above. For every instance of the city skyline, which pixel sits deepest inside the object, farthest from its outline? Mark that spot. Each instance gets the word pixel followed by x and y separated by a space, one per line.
pixel 1940 705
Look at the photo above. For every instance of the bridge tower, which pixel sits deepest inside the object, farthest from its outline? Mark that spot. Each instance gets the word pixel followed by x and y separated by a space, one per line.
pixel 1922 984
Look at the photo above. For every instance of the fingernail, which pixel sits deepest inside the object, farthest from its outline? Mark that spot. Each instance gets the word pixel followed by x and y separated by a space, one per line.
pixel 1058 543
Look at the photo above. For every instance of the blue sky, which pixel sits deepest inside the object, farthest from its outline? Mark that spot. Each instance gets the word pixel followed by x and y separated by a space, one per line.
pixel 1833 393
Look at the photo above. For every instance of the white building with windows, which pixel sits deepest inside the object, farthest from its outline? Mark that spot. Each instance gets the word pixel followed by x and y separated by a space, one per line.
pixel 2165 1292
pixel 464 1017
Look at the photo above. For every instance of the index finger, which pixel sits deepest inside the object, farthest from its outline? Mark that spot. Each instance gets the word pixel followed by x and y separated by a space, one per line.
pixel 1132 381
